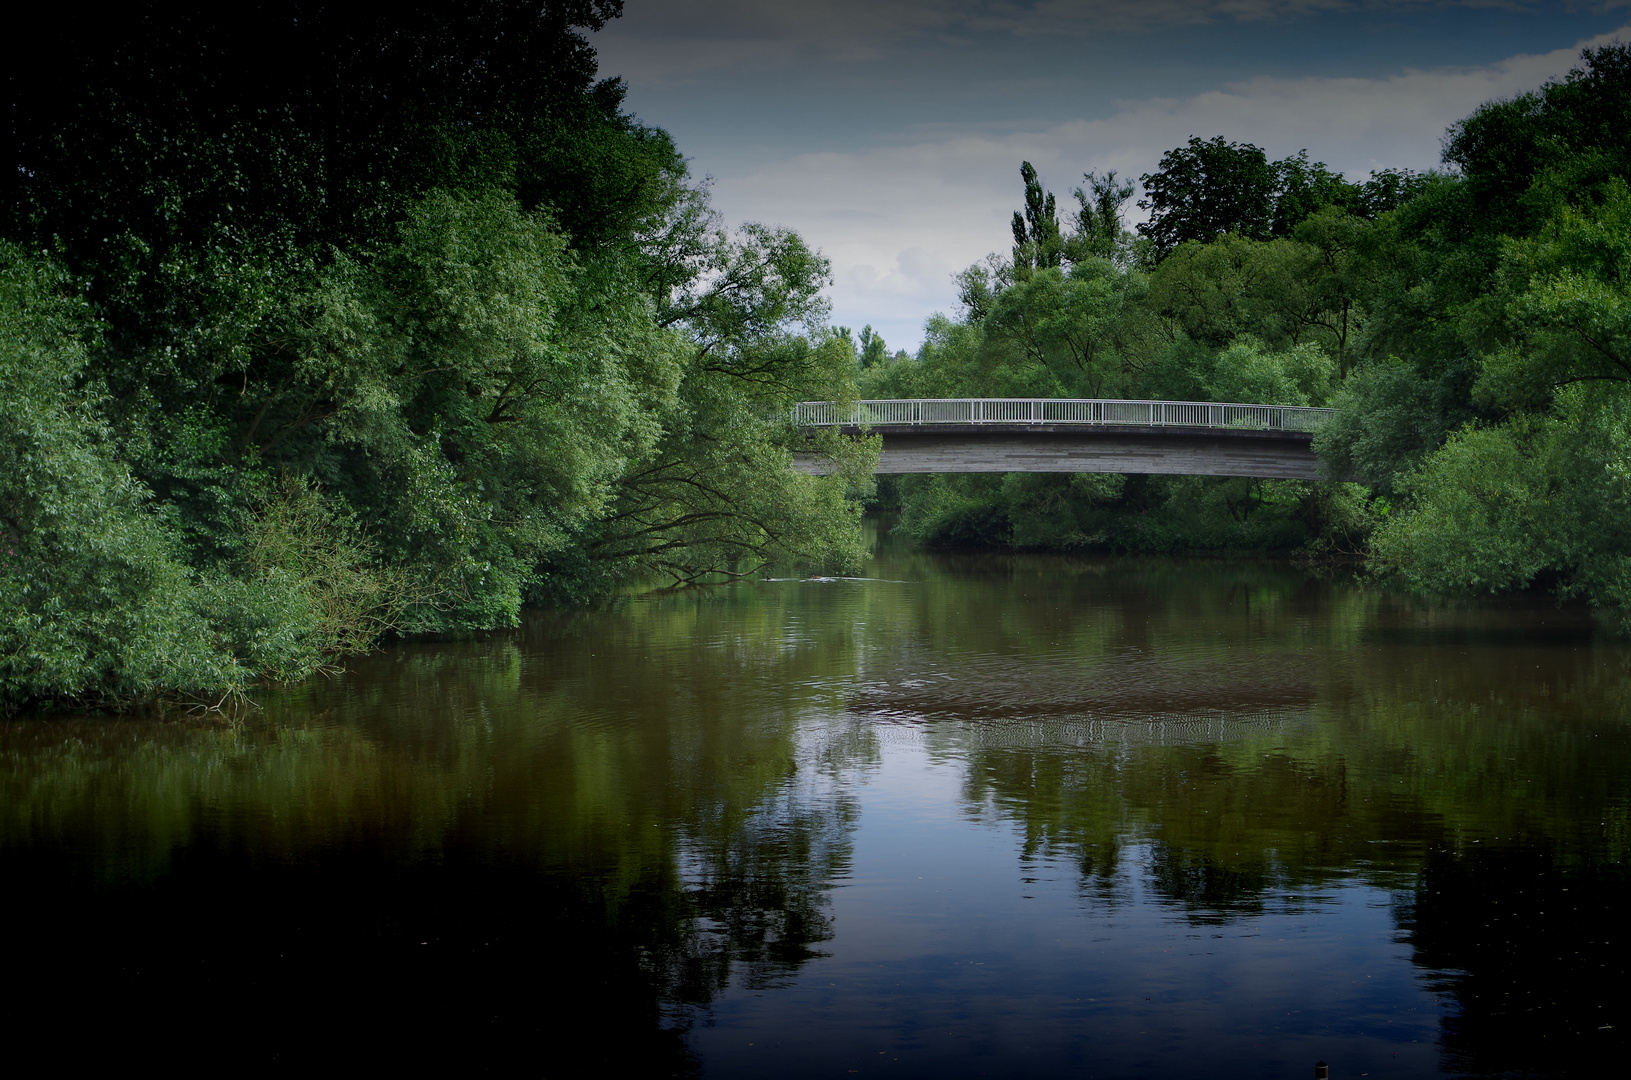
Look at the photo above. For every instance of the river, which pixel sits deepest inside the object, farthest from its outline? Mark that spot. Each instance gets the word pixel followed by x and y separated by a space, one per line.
pixel 972 815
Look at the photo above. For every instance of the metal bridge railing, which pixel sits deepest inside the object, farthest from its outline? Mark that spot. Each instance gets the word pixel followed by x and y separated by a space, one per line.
pixel 1060 411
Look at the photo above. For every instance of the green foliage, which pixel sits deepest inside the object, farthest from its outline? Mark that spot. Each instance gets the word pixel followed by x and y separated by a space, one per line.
pixel 1233 286
pixel 1206 189
pixel 1106 512
pixel 1246 372
pixel 1310 287
pixel 1212 189
pixel 1564 299
pixel 1506 292
pixel 1304 188
pixel 873 351
pixel 1038 244
pixel 1099 232
pixel 1388 417
pixel 979 284
pixel 1209 189
pixel 1389 189
pixel 403 324
pixel 1524 156
pixel 718 495
pixel 1540 500
pixel 102 602
pixel 307 547
pixel 93 597
pixel 955 510
pixel 1075 334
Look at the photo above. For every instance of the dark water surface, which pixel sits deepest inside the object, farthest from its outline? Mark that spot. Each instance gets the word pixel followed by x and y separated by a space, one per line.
pixel 980 816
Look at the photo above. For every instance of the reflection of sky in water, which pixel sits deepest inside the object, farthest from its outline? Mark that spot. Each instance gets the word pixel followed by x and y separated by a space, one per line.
pixel 953 957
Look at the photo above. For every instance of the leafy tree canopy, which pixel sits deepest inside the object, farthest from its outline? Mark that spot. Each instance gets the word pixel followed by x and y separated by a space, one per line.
pixel 399 321
pixel 1560 143
pixel 1211 188
pixel 1208 188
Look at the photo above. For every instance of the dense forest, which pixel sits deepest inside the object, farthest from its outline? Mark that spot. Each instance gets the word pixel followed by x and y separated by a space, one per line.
pixel 319 324
pixel 1472 325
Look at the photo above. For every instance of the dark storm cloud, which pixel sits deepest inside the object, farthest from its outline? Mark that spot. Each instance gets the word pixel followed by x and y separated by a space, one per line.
pixel 681 36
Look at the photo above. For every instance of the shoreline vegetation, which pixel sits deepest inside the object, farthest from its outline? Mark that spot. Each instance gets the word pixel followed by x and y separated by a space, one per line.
pixel 320 325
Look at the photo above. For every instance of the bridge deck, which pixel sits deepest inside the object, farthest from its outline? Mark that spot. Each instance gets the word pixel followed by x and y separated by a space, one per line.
pixel 1249 440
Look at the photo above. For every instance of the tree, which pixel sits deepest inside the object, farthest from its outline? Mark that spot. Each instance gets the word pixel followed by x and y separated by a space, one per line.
pixel 1563 305
pixel 1504 290
pixel 1218 291
pixel 979 284
pixel 1081 333
pixel 1303 188
pixel 171 138
pixel 1336 280
pixel 1503 507
pixel 1525 155
pixel 873 350
pixel 97 601
pixel 1098 229
pixel 1205 189
pixel 1389 189
pixel 1037 242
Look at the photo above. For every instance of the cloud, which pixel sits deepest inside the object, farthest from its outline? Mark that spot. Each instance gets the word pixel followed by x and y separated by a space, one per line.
pixel 898 220
pixel 674 40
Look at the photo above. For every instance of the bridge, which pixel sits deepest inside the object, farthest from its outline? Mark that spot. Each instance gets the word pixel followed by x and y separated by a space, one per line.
pixel 960 435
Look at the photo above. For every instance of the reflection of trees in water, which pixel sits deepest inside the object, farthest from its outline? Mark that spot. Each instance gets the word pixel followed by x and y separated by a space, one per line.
pixel 339 958
pixel 1226 746
pixel 1225 824
pixel 599 822
pixel 1211 893
pixel 1499 812
pixel 755 901
pixel 455 852
pixel 411 937
pixel 1535 948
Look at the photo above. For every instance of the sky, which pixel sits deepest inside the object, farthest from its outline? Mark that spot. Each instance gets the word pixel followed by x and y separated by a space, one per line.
pixel 889 133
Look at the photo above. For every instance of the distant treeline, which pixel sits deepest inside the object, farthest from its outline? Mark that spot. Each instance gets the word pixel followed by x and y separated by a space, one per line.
pixel 1472 324
pixel 320 321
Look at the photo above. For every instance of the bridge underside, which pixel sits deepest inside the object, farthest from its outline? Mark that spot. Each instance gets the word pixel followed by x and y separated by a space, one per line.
pixel 1198 451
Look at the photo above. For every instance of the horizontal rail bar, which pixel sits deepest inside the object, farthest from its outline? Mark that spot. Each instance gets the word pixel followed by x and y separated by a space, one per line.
pixel 1088 411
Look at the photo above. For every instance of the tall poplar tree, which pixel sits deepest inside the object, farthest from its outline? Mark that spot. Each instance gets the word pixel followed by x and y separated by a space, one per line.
pixel 1037 242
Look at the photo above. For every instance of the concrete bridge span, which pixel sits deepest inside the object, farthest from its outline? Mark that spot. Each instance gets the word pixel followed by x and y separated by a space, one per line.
pixel 1078 435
